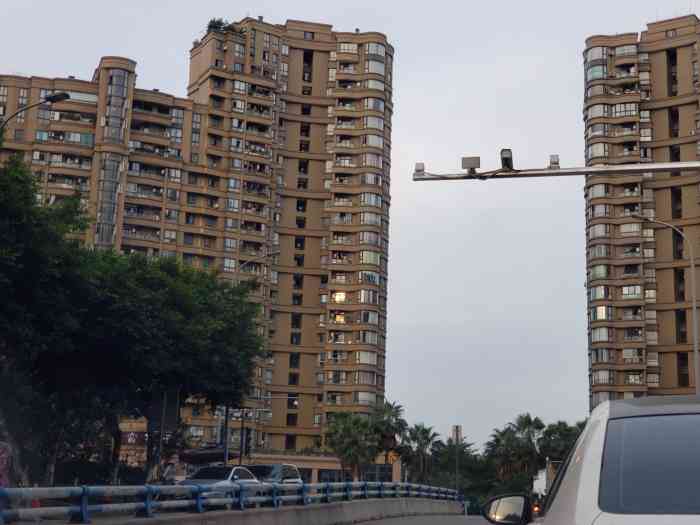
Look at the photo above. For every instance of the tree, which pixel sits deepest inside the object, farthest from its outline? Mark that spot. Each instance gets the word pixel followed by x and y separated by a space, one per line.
pixel 217 24
pixel 353 441
pixel 416 449
pixel 87 337
pixel 514 452
pixel 389 426
pixel 557 439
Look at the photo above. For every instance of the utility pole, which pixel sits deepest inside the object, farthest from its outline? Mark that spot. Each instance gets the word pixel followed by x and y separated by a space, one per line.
pixel 457 440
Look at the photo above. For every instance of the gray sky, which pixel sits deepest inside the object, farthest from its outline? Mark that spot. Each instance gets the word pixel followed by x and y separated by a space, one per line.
pixel 487 303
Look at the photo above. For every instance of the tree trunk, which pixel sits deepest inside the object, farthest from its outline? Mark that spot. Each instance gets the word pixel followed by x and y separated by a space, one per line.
pixel 50 473
pixel 115 431
pixel 18 473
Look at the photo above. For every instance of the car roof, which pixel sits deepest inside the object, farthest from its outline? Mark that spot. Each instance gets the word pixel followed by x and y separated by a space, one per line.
pixel 654 406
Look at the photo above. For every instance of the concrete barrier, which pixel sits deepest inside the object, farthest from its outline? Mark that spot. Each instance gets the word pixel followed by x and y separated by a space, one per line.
pixel 340 513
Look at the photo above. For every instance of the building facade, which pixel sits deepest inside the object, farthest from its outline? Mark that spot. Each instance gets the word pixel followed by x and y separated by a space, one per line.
pixel 275 166
pixel 641 105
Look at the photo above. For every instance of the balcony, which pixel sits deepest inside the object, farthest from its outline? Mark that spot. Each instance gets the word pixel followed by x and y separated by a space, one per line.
pixel 143 234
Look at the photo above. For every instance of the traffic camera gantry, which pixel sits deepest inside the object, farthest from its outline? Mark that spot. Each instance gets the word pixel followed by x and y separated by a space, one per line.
pixel 507 171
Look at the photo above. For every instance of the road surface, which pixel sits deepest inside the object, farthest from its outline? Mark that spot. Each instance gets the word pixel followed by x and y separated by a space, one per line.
pixel 434 520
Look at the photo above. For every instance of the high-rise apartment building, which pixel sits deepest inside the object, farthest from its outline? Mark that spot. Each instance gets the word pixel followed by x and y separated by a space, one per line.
pixel 275 166
pixel 641 105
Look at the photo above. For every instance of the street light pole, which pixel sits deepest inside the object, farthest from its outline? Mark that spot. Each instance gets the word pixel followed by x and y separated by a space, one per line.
pixel 226 408
pixel 693 293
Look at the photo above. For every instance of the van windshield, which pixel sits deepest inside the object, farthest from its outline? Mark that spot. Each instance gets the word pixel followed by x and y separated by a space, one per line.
pixel 651 465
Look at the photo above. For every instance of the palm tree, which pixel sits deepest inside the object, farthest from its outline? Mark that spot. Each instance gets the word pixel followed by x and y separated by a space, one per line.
pixel 353 441
pixel 514 449
pixel 389 426
pixel 416 449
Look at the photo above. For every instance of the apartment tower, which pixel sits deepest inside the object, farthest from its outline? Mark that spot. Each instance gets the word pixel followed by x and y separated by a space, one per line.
pixel 275 167
pixel 641 105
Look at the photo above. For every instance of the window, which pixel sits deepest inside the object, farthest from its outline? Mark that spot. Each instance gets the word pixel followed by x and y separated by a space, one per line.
pixel 681 327
pixel 631 292
pixel 299 260
pixel 601 313
pixel 229 265
pixel 290 442
pixel 371 218
pixel 296 321
pixel 297 299
pixel 630 49
pixel 598 190
pixel 347 47
pixel 599 292
pixel 308 35
pixel 633 228
pixel 597 110
pixel 595 53
pixel 292 419
pixel 295 338
pixel 306 109
pixel 294 360
pixel 369 257
pixel 374 66
pixel 596 72
pixel 301 205
pixel 640 477
pixel 603 377
pixel 598 149
pixel 601 334
pixel 299 243
pixel 293 378
pixel 598 230
pixel 374 123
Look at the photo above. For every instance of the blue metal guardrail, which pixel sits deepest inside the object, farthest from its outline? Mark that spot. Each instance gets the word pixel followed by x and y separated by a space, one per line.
pixel 78 504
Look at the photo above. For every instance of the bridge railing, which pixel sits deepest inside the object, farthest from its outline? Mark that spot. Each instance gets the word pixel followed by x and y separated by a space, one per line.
pixel 79 504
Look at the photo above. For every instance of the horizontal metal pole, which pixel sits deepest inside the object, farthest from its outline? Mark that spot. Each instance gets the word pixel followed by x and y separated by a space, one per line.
pixel 621 169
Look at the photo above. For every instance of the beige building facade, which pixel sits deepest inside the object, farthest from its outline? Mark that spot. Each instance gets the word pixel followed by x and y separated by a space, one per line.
pixel 276 166
pixel 641 105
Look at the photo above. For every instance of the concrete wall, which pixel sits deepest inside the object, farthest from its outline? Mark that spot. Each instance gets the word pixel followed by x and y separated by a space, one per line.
pixel 326 514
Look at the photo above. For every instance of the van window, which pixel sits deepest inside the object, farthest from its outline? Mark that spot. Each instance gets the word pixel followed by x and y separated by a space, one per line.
pixel 651 465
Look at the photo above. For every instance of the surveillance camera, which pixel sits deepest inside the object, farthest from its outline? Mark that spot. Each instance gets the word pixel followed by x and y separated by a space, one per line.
pixel 507 159
pixel 471 163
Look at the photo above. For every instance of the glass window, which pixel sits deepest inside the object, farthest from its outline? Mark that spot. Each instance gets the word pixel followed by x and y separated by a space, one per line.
pixel 374 48
pixel 630 49
pixel 596 72
pixel 374 66
pixel 597 110
pixel 651 465
pixel 374 123
pixel 595 53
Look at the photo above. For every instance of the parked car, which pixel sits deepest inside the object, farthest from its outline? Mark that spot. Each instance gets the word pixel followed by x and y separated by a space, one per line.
pixel 223 479
pixel 636 462
pixel 276 473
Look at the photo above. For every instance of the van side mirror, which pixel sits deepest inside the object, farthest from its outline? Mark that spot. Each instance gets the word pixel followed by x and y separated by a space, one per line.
pixel 509 509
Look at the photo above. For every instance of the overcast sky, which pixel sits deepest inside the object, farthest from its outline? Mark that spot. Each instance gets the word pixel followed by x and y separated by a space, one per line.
pixel 487 303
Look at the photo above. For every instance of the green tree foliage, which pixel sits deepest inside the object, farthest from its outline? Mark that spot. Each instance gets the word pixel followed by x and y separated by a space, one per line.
pixel 415 451
pixel 557 439
pixel 89 336
pixel 352 439
pixel 217 24
pixel 389 426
